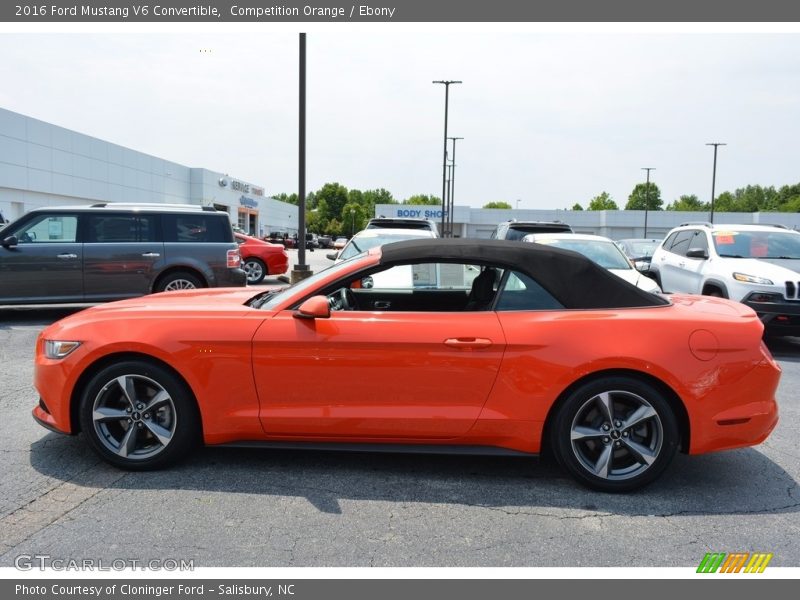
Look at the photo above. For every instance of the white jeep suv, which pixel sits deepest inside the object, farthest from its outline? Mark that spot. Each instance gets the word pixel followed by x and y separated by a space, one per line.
pixel 758 265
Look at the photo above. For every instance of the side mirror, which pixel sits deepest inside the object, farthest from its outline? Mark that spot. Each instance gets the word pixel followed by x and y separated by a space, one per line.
pixel 316 307
pixel 697 253
pixel 10 241
pixel 332 255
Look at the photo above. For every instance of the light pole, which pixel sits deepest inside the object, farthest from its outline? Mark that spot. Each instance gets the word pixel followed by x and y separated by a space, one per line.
pixel 518 203
pixel 446 84
pixel 353 224
pixel 452 185
pixel 647 197
pixel 301 269
pixel 714 176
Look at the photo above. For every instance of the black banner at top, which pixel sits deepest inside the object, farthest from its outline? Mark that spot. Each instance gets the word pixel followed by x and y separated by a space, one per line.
pixel 399 11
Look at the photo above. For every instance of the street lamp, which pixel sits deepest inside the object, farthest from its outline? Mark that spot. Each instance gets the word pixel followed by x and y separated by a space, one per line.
pixel 446 84
pixel 714 176
pixel 353 225
pixel 452 184
pixel 647 197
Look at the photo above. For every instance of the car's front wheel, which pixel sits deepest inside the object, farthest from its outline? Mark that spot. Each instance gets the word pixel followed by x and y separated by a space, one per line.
pixel 615 434
pixel 139 416
pixel 255 270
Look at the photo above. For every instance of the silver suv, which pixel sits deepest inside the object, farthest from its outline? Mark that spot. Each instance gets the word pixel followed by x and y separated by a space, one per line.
pixel 113 251
pixel 758 265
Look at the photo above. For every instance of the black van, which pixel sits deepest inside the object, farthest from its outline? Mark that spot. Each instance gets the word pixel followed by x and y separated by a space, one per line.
pixel 113 251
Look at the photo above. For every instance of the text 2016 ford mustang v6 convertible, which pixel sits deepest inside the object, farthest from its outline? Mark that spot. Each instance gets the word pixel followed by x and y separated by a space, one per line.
pixel 440 344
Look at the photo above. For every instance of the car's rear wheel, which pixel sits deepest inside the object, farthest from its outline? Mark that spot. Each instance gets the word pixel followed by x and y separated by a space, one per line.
pixel 615 434
pixel 139 416
pixel 179 280
pixel 255 270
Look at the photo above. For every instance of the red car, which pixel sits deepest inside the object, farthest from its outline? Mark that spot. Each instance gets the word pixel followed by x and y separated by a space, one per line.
pixel 260 258
pixel 476 346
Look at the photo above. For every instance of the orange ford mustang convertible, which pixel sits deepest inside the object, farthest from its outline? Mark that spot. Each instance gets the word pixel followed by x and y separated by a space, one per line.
pixel 439 345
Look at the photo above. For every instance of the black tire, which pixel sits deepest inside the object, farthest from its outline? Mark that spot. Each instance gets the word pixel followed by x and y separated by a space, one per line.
pixel 631 452
pixel 178 280
pixel 256 270
pixel 158 425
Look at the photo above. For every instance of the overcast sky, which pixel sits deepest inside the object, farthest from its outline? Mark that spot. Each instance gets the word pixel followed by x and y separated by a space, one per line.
pixel 549 119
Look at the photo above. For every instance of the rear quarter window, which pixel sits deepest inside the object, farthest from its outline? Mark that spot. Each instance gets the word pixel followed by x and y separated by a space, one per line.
pixel 197 228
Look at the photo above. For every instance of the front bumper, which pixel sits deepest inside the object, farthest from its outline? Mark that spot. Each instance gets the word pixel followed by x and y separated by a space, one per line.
pixel 777 314
pixel 46 420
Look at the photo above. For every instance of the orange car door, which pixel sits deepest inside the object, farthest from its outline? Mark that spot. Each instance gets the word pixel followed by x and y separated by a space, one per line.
pixel 376 375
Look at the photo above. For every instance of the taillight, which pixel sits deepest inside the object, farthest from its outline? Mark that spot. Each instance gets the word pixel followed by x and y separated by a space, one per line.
pixel 234 260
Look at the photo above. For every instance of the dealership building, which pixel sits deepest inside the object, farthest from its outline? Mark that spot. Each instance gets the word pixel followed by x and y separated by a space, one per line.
pixel 45 165
pixel 616 224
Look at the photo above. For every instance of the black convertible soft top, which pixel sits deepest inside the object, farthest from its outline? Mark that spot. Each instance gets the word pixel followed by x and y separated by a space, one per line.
pixel 571 278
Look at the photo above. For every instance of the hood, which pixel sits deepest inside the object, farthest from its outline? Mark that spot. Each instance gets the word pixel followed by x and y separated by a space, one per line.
pixel 183 302
pixel 790 264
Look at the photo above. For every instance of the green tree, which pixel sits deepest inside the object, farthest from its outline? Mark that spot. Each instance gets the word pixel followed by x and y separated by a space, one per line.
pixel 422 199
pixel 603 201
pixel 335 228
pixel 789 198
pixel 689 202
pixel 334 197
pixel 636 201
pixel 353 218
pixel 577 206
pixel 497 205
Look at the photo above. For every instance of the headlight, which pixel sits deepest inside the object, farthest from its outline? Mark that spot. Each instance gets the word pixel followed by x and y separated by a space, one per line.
pixel 751 279
pixel 58 349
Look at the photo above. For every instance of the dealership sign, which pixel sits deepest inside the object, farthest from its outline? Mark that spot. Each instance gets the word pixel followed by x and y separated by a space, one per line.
pixel 419 213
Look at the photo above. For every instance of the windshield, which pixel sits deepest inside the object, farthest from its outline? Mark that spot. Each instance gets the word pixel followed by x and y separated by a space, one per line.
pixel 757 244
pixel 363 243
pixel 643 249
pixel 303 284
pixel 605 254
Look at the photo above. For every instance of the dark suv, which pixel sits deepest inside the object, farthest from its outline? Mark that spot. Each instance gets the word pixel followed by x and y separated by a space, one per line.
pixel 516 230
pixel 112 251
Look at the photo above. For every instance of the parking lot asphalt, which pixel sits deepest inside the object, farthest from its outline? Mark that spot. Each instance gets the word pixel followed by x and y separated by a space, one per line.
pixel 234 507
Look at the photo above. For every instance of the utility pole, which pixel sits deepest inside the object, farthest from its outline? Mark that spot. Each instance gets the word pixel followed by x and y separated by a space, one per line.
pixel 714 176
pixel 647 197
pixel 447 84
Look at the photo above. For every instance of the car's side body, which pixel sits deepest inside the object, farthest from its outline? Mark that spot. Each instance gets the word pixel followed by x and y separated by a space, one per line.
pixel 114 251
pixel 491 379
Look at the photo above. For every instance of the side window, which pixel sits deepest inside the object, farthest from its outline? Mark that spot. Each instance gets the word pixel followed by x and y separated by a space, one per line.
pixel 49 229
pixel 699 241
pixel 521 292
pixel 424 276
pixel 681 242
pixel 121 228
pixel 667 243
pixel 194 228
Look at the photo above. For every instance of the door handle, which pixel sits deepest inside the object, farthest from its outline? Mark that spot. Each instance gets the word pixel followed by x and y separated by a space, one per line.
pixel 151 255
pixel 381 304
pixel 67 256
pixel 468 343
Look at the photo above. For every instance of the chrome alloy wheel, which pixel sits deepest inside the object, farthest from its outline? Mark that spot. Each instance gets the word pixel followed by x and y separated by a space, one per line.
pixel 616 435
pixel 179 284
pixel 134 417
pixel 254 271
